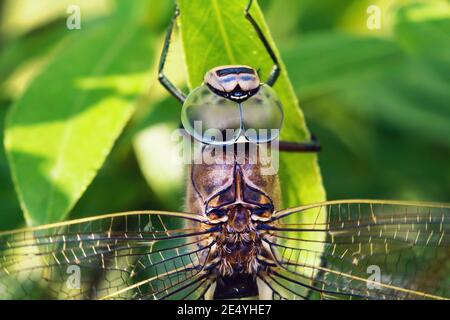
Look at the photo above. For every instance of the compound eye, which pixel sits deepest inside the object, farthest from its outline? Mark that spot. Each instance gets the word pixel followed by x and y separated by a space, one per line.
pixel 217 216
pixel 262 115
pixel 210 118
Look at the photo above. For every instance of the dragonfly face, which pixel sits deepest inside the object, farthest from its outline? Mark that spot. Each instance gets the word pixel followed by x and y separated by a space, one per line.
pixel 234 82
pixel 232 105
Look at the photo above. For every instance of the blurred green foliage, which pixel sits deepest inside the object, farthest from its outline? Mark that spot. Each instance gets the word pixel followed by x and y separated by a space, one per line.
pixel 377 99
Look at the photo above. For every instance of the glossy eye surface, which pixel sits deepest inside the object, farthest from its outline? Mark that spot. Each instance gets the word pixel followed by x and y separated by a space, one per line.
pixel 211 118
pixel 262 115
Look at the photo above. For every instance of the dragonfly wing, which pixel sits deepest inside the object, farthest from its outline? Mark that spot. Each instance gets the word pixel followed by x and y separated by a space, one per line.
pixel 136 255
pixel 360 249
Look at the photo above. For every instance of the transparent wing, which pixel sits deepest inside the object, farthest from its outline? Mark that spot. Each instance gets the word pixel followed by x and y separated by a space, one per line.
pixel 360 249
pixel 135 255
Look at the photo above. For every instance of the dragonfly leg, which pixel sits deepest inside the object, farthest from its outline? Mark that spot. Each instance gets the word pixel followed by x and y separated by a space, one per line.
pixel 310 146
pixel 314 144
pixel 173 90
pixel 276 68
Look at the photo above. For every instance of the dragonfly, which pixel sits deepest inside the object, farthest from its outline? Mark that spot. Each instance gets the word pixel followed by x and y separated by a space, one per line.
pixel 234 241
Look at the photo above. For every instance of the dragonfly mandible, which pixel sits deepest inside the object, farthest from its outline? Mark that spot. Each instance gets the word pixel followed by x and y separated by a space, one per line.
pixel 234 241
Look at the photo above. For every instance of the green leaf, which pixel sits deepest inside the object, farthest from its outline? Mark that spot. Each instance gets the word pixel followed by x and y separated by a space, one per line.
pixel 217 33
pixel 60 131
pixel 31 45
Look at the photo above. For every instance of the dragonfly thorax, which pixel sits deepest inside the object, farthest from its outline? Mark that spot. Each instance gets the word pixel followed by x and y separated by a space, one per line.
pixel 238 208
pixel 236 197
pixel 235 82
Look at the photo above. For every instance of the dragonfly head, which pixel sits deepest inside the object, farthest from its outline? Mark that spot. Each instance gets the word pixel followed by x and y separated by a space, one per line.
pixel 236 82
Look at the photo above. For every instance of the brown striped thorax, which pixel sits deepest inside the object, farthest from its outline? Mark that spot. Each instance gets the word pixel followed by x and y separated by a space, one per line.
pixel 235 197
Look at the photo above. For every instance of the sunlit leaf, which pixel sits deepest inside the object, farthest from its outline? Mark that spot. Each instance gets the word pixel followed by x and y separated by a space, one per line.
pixel 230 39
pixel 25 15
pixel 60 131
pixel 30 46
